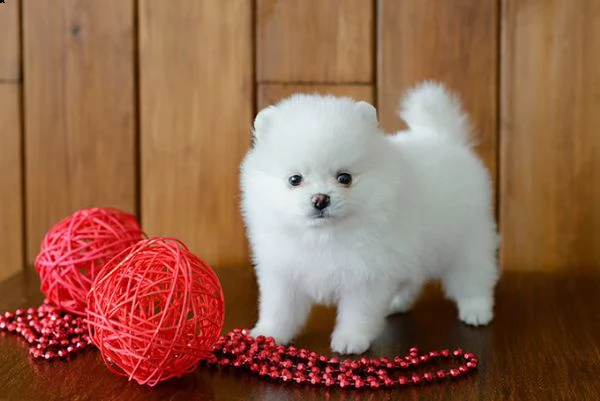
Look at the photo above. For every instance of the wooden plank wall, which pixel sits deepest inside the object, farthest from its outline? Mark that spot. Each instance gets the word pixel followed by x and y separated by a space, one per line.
pixel 197 104
pixel 147 105
pixel 313 46
pixel 455 42
pixel 550 135
pixel 11 199
pixel 79 109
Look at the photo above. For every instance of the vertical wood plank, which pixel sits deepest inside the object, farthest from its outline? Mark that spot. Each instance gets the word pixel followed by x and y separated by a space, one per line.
pixel 550 156
pixel 79 109
pixel 315 41
pixel 268 94
pixel 454 42
pixel 9 41
pixel 196 81
pixel 11 212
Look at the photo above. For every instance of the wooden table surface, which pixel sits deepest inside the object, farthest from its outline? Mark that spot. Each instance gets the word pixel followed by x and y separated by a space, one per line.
pixel 544 344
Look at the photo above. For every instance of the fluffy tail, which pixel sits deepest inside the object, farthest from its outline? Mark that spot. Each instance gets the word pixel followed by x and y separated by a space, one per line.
pixel 431 106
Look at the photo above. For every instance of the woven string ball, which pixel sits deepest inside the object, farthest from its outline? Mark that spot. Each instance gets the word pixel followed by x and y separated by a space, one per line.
pixel 74 250
pixel 155 312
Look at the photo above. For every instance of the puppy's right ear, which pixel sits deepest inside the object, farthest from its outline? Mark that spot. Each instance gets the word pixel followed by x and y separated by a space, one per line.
pixel 262 122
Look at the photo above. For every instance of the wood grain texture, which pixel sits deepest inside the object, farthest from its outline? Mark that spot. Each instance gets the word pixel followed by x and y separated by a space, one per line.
pixel 454 42
pixel 196 117
pixel 542 345
pixel 79 109
pixel 11 201
pixel 550 215
pixel 268 94
pixel 9 41
pixel 315 41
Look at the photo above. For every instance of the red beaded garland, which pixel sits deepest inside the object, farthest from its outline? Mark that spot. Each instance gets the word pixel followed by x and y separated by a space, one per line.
pixel 52 333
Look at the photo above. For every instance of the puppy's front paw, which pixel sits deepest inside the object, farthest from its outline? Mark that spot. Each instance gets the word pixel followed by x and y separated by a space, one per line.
pixel 476 312
pixel 270 331
pixel 346 342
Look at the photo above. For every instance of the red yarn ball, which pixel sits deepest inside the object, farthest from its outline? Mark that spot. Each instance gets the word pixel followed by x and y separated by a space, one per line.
pixel 75 249
pixel 156 311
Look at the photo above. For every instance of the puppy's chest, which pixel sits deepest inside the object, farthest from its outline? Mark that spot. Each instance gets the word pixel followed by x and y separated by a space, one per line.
pixel 324 273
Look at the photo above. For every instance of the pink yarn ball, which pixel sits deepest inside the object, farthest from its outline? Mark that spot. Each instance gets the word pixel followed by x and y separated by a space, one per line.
pixel 155 311
pixel 75 249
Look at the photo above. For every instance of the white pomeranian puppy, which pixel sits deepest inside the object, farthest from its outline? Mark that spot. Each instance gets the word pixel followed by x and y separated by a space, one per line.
pixel 338 212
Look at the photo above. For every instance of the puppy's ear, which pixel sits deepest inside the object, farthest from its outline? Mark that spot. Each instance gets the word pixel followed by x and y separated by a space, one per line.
pixel 262 122
pixel 368 112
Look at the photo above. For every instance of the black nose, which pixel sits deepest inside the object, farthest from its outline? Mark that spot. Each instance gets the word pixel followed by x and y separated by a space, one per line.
pixel 320 201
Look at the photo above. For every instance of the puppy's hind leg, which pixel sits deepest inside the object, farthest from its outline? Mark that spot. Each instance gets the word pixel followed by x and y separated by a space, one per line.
pixel 405 297
pixel 470 282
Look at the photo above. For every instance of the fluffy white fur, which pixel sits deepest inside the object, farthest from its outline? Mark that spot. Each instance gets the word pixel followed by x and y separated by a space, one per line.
pixel 419 207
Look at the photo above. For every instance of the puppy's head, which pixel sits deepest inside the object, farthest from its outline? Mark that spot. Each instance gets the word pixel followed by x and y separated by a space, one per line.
pixel 317 161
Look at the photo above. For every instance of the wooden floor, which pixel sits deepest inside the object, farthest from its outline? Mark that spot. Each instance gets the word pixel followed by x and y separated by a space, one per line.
pixel 543 345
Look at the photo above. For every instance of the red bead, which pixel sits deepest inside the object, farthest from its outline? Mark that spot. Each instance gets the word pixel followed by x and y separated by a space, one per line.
pixel 445 353
pixel 345 383
pixel 471 365
pixel 413 351
pixel 457 352
pixel 424 358
pixel 440 374
pixel 286 375
pixel 454 372
pixel 359 383
pixel 301 367
pixel 468 355
pixel 387 382
pixel 463 369
pixel 373 384
pixel 315 380
pixel 415 379
pixel 403 380
pixel 299 377
pixel 428 376
pixel 334 360
pixel 403 364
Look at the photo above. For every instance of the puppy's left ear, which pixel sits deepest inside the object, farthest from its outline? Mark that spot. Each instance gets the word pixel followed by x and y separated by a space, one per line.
pixel 262 122
pixel 368 112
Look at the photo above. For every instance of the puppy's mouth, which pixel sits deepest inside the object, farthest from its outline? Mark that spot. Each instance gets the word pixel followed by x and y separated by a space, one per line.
pixel 320 217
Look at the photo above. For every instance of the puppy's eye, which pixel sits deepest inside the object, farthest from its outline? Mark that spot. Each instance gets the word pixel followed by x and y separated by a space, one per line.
pixel 295 180
pixel 344 179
